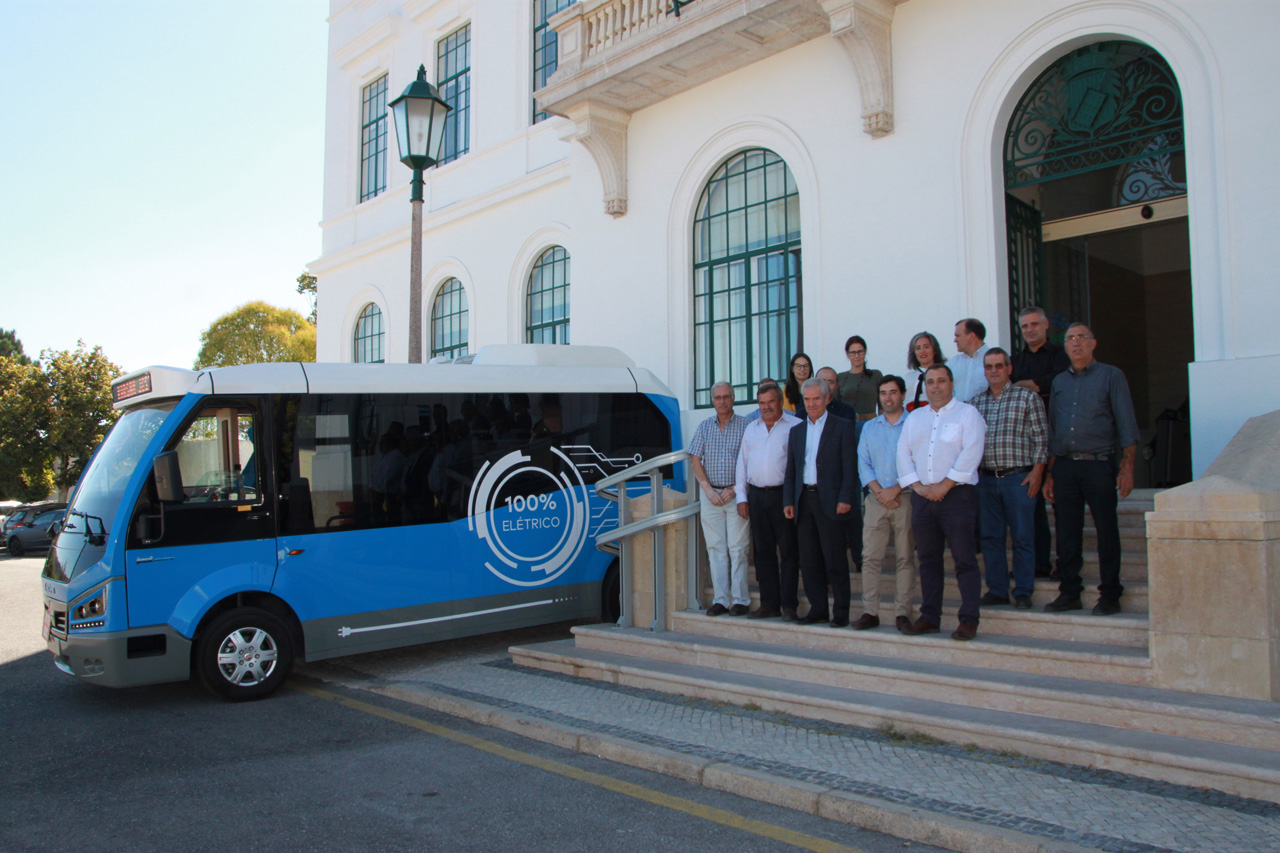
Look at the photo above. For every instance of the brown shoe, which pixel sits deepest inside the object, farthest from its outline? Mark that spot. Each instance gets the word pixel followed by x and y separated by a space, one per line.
pixel 865 621
pixel 920 626
pixel 903 623
pixel 789 614
pixel 966 631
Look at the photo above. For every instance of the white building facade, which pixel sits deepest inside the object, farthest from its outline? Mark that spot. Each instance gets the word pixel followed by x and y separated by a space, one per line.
pixel 715 190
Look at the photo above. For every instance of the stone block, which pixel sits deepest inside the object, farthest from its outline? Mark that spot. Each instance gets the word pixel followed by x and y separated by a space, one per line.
pixel 1225 666
pixel 1213 588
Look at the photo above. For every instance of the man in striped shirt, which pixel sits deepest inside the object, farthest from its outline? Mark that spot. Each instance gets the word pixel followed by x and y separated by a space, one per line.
pixel 714 449
pixel 1009 479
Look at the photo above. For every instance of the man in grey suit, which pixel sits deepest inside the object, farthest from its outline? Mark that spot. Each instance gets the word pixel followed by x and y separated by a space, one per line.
pixel 820 489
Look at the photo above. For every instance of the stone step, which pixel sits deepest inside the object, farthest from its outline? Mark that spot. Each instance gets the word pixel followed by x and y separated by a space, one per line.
pixel 1112 662
pixel 755 674
pixel 1134 601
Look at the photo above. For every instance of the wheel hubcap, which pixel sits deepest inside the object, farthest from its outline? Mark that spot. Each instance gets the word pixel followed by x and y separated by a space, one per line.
pixel 247 656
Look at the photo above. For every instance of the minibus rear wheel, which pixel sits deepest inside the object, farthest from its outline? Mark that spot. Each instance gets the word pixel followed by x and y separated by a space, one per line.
pixel 244 654
pixel 611 595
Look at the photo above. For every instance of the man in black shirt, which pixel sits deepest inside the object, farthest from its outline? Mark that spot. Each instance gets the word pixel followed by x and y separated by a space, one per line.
pixel 1035 368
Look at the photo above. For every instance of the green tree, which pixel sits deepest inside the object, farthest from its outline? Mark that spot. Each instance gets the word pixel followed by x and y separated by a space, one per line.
pixel 26 462
pixel 79 383
pixel 254 333
pixel 11 347
pixel 308 286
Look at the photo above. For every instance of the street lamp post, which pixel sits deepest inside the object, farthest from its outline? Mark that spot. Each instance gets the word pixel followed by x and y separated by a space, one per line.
pixel 419 114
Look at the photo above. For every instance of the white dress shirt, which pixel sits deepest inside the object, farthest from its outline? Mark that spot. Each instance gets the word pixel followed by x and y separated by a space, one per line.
pixel 811 439
pixel 969 374
pixel 762 458
pixel 940 445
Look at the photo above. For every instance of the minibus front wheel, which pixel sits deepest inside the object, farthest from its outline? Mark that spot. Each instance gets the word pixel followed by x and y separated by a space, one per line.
pixel 244 654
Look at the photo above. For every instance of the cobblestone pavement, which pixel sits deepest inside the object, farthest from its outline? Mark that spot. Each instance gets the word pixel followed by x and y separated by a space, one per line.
pixel 1096 809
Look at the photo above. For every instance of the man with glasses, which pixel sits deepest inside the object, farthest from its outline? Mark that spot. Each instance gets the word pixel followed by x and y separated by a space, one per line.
pixel 714 459
pixel 1009 478
pixel 1035 367
pixel 1090 415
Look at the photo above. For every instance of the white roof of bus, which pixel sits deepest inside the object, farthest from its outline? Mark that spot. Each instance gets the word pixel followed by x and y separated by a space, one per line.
pixel 505 368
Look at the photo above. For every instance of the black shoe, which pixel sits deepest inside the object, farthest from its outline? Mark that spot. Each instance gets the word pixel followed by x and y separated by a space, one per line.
pixel 789 615
pixel 739 610
pixel 990 599
pixel 1106 607
pixel 1044 571
pixel 717 610
pixel 1064 603
pixel 839 623
pixel 1022 602
pixel 812 618
pixel 903 623
pixel 764 613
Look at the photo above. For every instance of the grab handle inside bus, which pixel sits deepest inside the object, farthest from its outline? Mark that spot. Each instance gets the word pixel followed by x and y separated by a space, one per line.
pixel 168 478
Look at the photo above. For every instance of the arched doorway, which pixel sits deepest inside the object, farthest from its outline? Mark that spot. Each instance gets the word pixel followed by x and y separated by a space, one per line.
pixel 1096 218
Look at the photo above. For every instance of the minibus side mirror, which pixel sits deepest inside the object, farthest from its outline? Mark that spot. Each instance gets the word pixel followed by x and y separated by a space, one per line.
pixel 168 478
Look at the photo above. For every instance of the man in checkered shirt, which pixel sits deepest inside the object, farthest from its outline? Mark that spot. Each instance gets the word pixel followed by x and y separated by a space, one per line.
pixel 1009 479
pixel 714 449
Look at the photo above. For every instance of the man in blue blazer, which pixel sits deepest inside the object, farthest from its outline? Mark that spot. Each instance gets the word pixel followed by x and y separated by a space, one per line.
pixel 820 490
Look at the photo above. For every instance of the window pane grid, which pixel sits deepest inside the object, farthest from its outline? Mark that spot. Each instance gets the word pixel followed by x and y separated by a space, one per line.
pixel 746 275
pixel 449 321
pixel 369 336
pixel 545 50
pixel 548 302
pixel 373 138
pixel 453 71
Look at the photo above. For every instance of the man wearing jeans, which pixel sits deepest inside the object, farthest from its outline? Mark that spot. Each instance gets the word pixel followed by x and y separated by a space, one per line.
pixel 1009 479
pixel 1090 414
pixel 714 452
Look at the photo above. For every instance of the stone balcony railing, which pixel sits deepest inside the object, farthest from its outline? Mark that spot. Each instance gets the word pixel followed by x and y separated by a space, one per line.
pixel 619 56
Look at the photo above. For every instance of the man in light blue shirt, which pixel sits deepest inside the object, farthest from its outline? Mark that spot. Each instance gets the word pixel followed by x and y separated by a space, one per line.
pixel 966 364
pixel 886 509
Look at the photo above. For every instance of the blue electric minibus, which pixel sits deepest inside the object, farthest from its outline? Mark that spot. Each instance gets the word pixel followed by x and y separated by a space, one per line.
pixel 235 520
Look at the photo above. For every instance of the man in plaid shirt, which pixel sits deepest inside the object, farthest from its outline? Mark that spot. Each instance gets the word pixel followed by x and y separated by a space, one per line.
pixel 714 452
pixel 1009 479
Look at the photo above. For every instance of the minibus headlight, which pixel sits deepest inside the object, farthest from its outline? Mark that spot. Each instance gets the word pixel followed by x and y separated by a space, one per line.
pixel 92 608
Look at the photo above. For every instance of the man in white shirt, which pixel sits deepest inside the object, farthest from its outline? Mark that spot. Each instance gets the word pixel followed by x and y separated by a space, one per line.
pixel 966 364
pixel 762 466
pixel 938 457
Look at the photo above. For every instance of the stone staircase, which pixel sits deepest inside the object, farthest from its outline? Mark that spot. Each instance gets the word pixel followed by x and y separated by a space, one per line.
pixel 1072 687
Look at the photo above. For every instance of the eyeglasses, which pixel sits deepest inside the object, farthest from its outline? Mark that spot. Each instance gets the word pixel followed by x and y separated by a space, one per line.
pixel 856 352
pixel 1071 339
pixel 800 365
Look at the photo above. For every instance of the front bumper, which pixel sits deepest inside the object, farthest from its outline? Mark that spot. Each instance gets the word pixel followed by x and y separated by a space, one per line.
pixel 158 654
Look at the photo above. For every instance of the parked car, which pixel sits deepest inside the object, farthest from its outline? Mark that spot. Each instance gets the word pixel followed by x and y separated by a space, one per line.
pixel 28 528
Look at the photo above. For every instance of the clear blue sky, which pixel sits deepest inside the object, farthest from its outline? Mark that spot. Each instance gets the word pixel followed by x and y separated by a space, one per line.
pixel 161 164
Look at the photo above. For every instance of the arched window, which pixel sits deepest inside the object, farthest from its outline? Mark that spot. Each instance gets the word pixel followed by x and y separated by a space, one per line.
pixel 746 275
pixel 547 315
pixel 369 336
pixel 449 320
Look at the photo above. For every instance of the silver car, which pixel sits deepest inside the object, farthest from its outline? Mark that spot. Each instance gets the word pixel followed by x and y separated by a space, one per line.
pixel 33 534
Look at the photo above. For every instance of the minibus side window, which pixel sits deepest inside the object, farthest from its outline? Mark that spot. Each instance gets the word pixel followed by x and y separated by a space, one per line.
pixel 217 457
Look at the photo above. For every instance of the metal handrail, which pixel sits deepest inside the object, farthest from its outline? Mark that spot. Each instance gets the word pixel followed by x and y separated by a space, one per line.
pixel 616 541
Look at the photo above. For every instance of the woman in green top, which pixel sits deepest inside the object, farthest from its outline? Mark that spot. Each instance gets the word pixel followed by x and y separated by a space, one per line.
pixel 859 386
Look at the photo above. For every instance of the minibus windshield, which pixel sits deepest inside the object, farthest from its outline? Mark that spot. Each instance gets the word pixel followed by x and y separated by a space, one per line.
pixel 94 506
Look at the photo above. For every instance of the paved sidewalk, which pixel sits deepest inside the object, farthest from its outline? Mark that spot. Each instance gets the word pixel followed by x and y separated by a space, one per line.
pixel 888 781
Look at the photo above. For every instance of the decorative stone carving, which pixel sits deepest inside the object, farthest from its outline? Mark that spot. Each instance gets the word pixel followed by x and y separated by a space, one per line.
pixel 602 130
pixel 863 29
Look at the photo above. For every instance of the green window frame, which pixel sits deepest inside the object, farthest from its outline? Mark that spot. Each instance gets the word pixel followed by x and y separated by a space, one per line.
pixel 453 76
pixel 546 54
pixel 547 314
pixel 746 275
pixel 373 138
pixel 370 336
pixel 449 320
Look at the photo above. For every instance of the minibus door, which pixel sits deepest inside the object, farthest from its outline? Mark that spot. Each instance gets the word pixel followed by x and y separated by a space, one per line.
pixel 215 534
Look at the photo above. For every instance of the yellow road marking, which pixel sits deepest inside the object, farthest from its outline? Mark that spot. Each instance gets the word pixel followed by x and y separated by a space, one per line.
pixel 639 792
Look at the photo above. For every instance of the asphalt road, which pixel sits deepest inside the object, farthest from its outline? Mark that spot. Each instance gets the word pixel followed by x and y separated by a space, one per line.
pixel 171 768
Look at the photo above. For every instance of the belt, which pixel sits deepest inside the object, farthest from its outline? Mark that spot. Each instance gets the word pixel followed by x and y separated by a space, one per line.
pixel 1089 457
pixel 721 488
pixel 809 488
pixel 1005 472
pixel 765 488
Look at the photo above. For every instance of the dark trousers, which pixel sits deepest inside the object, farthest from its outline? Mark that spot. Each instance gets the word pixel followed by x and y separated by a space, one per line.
pixel 952 522
pixel 771 533
pixel 1077 482
pixel 853 532
pixel 1043 560
pixel 822 560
